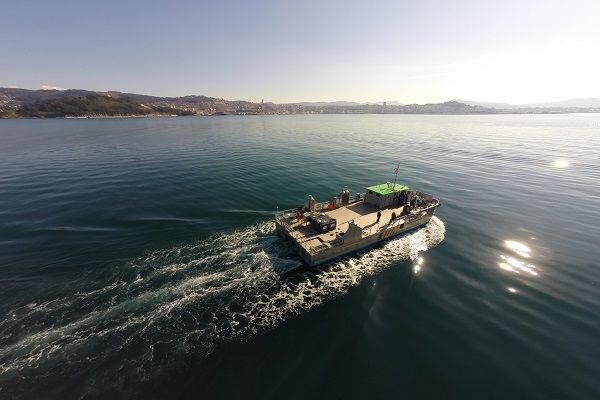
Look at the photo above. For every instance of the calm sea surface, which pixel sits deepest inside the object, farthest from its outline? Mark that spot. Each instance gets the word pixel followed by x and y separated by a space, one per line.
pixel 138 259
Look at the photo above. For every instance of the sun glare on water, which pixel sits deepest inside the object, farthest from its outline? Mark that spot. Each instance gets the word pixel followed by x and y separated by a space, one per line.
pixel 517 263
pixel 519 248
pixel 417 266
pixel 561 164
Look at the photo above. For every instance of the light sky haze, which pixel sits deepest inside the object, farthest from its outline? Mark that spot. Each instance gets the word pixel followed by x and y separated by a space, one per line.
pixel 287 51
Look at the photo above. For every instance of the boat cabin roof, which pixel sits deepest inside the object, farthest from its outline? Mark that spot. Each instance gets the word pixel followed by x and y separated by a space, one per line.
pixel 387 188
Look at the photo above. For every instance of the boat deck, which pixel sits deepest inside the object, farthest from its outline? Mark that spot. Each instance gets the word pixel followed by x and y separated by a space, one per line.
pixel 363 214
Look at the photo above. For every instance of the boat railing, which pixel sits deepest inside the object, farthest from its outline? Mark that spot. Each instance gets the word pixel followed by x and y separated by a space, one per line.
pixel 286 218
pixel 290 213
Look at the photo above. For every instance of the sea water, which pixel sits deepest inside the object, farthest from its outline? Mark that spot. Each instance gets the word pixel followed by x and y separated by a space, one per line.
pixel 138 259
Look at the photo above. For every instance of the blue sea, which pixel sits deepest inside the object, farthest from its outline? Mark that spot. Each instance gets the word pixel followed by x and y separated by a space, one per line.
pixel 138 259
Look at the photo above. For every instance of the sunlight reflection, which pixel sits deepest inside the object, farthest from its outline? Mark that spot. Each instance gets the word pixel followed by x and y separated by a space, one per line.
pixel 514 265
pixel 417 266
pixel 518 264
pixel 518 248
pixel 561 164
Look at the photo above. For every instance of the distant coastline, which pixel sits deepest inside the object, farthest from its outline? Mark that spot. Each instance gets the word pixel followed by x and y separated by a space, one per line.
pixel 116 116
pixel 83 104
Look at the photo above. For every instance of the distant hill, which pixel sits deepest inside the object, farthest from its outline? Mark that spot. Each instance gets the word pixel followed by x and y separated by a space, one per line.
pixel 91 105
pixel 577 103
pixel 326 104
pixel 593 103
pixel 25 96
pixel 15 103
pixel 343 103
pixel 388 102
pixel 20 103
pixel 13 100
pixel 498 106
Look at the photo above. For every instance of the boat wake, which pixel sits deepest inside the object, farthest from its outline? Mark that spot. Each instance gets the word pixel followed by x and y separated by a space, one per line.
pixel 187 299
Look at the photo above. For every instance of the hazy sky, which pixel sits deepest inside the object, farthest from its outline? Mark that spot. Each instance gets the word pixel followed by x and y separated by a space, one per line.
pixel 514 51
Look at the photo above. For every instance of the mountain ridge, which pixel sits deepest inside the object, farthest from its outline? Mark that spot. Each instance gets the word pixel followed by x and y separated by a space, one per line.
pixel 44 103
pixel 586 102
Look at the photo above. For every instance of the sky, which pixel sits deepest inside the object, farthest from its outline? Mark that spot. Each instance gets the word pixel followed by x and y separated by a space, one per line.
pixel 514 51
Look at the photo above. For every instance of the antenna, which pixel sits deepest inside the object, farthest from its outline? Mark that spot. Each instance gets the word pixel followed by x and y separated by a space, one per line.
pixel 396 170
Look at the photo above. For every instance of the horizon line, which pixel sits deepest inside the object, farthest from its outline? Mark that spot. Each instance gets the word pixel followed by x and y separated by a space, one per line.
pixel 368 102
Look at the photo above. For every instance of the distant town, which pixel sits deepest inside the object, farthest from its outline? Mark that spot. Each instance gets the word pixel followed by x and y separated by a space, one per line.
pixel 26 103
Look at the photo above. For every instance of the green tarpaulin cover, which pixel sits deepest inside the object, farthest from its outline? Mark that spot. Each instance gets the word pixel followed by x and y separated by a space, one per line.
pixel 384 188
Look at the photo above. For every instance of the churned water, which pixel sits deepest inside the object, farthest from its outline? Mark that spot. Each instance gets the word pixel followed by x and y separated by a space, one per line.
pixel 138 259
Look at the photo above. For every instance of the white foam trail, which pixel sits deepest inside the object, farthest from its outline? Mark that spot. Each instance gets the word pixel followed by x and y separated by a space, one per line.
pixel 333 280
pixel 259 212
pixel 228 286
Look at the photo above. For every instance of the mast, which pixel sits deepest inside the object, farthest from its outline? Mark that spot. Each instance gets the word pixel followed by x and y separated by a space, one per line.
pixel 396 170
